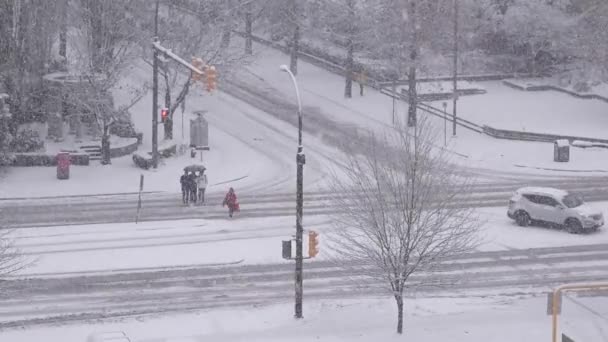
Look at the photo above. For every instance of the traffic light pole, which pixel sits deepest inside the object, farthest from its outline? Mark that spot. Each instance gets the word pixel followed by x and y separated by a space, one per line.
pixel 155 106
pixel 167 53
pixel 300 160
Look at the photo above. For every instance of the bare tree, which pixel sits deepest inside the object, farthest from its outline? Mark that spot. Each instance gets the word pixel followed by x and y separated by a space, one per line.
pixel 11 259
pixel 344 23
pixel 400 209
pixel 196 29
pixel 413 55
pixel 113 44
pixel 251 11
pixel 295 40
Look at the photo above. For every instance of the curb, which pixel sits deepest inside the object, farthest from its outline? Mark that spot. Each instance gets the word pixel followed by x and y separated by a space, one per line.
pixel 76 196
pixel 557 170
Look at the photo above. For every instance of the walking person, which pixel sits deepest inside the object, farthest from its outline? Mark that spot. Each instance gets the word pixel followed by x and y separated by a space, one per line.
pixel 202 182
pixel 362 80
pixel 192 186
pixel 183 180
pixel 231 201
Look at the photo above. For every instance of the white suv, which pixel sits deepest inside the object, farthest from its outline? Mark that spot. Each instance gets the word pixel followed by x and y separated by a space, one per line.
pixel 555 207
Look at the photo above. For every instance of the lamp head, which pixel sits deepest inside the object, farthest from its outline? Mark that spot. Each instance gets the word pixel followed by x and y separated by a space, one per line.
pixel 284 67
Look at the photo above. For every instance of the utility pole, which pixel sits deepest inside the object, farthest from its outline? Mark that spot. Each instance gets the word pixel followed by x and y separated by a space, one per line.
pixel 412 100
pixel 155 93
pixel 455 89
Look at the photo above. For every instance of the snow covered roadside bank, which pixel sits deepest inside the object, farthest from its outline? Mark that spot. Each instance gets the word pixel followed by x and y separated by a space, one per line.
pixel 473 319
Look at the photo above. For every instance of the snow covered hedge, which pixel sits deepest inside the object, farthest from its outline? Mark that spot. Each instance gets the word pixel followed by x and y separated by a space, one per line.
pixel 26 141
pixel 37 159
pixel 142 162
pixel 145 162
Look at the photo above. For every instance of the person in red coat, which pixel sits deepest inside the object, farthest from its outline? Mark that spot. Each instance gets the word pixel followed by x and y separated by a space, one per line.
pixel 231 201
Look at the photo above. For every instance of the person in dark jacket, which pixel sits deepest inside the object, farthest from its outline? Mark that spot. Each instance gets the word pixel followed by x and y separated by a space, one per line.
pixel 183 180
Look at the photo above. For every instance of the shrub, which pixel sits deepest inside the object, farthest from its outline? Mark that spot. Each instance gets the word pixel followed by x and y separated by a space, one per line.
pixel 142 162
pixel 168 151
pixel 33 159
pixel 27 141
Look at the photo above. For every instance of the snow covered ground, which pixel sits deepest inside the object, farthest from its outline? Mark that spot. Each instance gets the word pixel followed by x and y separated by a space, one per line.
pixel 541 111
pixel 253 150
pixel 500 107
pixel 479 319
pixel 114 247
pixel 249 150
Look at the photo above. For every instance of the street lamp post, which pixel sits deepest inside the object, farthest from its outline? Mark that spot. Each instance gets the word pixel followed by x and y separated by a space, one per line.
pixel 300 161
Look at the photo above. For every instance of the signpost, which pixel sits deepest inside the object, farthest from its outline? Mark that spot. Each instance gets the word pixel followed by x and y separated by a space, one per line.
pixel 141 188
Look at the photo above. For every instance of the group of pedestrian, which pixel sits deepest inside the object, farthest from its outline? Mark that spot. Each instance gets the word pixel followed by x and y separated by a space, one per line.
pixel 193 187
pixel 193 191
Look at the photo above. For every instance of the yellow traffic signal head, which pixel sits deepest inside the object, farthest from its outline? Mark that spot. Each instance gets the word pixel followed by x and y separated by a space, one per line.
pixel 313 244
pixel 211 78
pixel 199 64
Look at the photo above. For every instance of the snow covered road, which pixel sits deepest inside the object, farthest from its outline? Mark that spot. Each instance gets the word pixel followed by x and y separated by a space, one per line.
pixel 254 203
pixel 129 293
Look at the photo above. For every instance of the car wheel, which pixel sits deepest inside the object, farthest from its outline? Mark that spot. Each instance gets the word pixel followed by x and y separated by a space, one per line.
pixel 522 218
pixel 574 226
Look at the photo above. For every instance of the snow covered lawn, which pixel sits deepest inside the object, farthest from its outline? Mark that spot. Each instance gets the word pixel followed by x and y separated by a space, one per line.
pixel 534 111
pixel 493 318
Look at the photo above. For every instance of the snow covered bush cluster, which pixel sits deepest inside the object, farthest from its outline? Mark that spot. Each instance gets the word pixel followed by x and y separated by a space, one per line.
pixel 27 141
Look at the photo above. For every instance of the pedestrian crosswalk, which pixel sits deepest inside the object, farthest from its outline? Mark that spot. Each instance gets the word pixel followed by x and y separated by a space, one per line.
pixel 168 206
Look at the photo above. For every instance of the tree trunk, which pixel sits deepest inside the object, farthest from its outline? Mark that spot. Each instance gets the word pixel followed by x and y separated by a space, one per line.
pixel 6 31
pixel 399 299
pixel 168 123
pixel 348 88
pixel 63 32
pixel 412 101
pixel 350 51
pixel 248 30
pixel 295 43
pixel 105 146
pixel 95 18
pixel 411 110
pixel 225 38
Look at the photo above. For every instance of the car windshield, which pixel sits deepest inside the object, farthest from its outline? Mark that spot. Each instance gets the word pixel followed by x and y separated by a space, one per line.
pixel 572 201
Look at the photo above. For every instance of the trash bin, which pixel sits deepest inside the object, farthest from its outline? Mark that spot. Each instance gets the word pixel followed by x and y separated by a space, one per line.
pixel 199 132
pixel 561 150
pixel 63 165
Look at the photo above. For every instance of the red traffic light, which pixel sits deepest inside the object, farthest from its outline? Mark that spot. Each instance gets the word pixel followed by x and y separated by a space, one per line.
pixel 164 114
